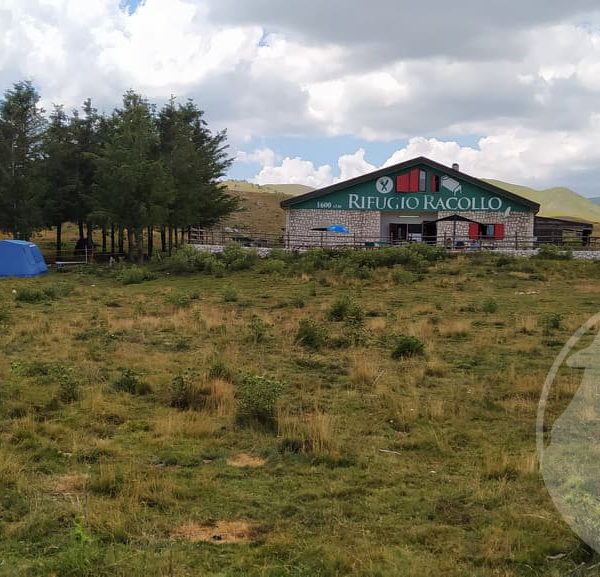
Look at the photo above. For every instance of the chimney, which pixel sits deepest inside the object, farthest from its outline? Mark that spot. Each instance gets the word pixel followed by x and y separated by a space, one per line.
pixel 456 167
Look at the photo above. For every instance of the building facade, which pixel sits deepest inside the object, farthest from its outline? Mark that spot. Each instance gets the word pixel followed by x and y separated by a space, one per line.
pixel 415 201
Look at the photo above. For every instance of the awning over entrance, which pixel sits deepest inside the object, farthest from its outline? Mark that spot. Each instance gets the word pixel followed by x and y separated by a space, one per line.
pixel 332 228
pixel 455 218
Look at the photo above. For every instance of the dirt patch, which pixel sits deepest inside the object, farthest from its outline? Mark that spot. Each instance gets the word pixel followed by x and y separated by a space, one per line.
pixel 70 484
pixel 244 460
pixel 222 533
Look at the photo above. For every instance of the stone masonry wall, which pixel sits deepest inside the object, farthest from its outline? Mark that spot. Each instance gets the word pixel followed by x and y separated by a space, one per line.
pixel 362 224
pixel 517 224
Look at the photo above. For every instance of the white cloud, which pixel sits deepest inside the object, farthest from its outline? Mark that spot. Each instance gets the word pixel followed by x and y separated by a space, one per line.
pixel 295 171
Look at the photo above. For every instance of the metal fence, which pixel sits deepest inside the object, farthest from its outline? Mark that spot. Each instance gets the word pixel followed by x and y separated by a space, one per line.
pixel 315 239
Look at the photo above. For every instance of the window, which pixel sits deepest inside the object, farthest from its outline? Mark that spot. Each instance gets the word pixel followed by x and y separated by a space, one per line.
pixel 422 181
pixel 486 231
pixel 413 181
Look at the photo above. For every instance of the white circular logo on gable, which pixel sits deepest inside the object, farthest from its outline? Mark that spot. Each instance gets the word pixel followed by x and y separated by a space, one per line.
pixel 385 185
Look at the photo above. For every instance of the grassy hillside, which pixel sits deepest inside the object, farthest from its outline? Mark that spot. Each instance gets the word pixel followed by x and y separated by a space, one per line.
pixel 557 202
pixel 286 420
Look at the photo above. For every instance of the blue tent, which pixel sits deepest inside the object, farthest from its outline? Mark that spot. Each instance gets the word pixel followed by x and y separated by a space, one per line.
pixel 20 258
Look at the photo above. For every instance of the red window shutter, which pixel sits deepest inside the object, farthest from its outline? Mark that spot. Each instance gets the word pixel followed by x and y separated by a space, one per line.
pixel 403 183
pixel 499 232
pixel 435 183
pixel 474 231
pixel 414 180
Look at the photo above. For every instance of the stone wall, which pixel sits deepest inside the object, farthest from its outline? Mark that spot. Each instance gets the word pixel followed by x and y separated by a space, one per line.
pixel 362 225
pixel 517 224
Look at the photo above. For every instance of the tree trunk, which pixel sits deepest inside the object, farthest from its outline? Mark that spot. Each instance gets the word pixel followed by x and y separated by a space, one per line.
pixel 81 232
pixel 129 245
pixel 58 241
pixel 139 239
pixel 112 239
pixel 104 235
pixel 170 240
pixel 163 239
pixel 176 235
pixel 150 242
pixel 121 239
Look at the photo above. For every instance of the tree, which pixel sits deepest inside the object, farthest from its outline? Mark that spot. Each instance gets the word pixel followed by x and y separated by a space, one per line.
pixel 195 159
pixel 60 172
pixel 22 125
pixel 134 186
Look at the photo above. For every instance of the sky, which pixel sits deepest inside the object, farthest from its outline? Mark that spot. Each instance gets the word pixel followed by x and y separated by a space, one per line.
pixel 317 91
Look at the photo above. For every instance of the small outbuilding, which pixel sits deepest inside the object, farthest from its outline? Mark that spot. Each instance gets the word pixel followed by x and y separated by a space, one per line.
pixel 21 259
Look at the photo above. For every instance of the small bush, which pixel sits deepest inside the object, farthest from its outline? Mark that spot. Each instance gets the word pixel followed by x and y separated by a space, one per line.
pixel 230 295
pixel 32 296
pixel 272 266
pixel 489 306
pixel 311 335
pixel 553 322
pixel 184 394
pixel 69 386
pixel 258 330
pixel 402 276
pixel 257 400
pixel 218 369
pixel 135 275
pixel 129 382
pixel 406 346
pixel 553 252
pixel 181 300
pixel 344 309
pixel 237 258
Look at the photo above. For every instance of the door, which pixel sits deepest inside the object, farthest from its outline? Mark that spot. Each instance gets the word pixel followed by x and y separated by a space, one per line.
pixel 430 232
pixel 398 233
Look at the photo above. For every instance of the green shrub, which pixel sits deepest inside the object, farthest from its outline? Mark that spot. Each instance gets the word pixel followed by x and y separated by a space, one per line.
pixel 181 300
pixel 69 387
pixel 344 309
pixel 237 258
pixel 402 276
pixel 135 275
pixel 311 335
pixel 258 330
pixel 489 306
pixel 553 322
pixel 553 252
pixel 406 346
pixel 230 295
pixel 129 381
pixel 272 266
pixel 218 369
pixel 188 260
pixel 257 400
pixel 32 295
pixel 184 394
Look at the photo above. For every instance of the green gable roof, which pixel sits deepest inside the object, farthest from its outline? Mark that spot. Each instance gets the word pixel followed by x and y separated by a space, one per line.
pixel 338 192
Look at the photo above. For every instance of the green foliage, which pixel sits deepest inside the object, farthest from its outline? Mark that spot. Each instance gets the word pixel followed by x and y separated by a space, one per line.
pixel 345 309
pixel 183 393
pixel 553 322
pixel 68 383
pixel 238 258
pixel 129 381
pixel 189 260
pixel 311 334
pixel 489 306
pixel 182 300
pixel 135 275
pixel 230 295
pixel 401 276
pixel 258 330
pixel 553 252
pixel 406 346
pixel 218 369
pixel 257 399
pixel 33 295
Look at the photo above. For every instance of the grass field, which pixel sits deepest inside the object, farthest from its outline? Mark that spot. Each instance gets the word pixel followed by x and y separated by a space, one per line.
pixel 285 421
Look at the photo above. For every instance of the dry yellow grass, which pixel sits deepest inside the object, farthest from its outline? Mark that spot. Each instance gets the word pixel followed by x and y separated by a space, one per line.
pixel 455 328
pixel 526 324
pixel 220 533
pixel 313 432
pixel 363 369
pixel 188 424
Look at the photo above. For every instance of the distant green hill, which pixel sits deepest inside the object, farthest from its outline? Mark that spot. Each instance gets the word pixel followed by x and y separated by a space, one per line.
pixel 557 202
pixel 287 189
